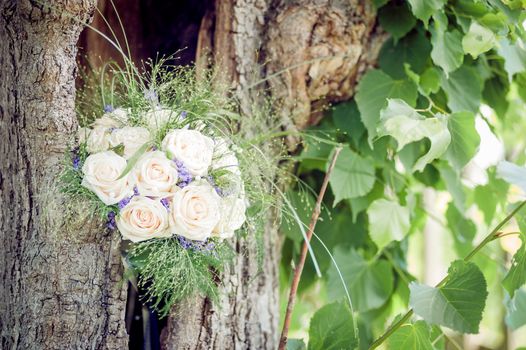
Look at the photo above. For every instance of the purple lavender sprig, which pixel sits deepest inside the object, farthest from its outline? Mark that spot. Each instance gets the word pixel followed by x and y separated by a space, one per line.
pixel 126 200
pixel 166 203
pixel 205 246
pixel 184 175
pixel 111 224
pixel 212 183
pixel 108 108
pixel 75 159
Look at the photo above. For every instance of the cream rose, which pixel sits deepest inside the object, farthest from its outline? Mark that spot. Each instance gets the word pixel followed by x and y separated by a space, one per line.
pixel 98 140
pixel 132 138
pixel 191 147
pixel 232 211
pixel 224 158
pixel 155 175
pixel 114 119
pixel 101 175
pixel 195 211
pixel 143 218
pixel 157 118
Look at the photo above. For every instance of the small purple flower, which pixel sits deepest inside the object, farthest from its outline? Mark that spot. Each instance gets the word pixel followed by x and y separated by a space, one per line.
pixel 185 243
pixel 75 158
pixel 135 191
pixel 108 109
pixel 182 116
pixel 124 202
pixel 184 176
pixel 111 221
pixel 165 203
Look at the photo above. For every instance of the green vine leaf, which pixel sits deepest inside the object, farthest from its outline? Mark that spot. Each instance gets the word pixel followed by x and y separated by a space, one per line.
pixel 423 9
pixel 516 276
pixel 353 176
pixel 463 88
pixel 447 50
pixel 411 337
pixel 478 40
pixel 332 328
pixel 133 159
pixel 458 304
pixel 396 19
pixel 465 139
pixel 406 125
pixel 370 283
pixel 373 91
pixel 388 221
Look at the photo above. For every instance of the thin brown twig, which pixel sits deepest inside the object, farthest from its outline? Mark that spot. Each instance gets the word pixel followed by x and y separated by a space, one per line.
pixel 299 267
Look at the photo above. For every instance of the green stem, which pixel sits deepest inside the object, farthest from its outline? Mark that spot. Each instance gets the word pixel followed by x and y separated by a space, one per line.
pixel 494 234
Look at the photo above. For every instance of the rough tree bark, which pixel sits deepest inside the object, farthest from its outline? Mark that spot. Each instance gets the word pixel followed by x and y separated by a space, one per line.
pixel 251 40
pixel 55 293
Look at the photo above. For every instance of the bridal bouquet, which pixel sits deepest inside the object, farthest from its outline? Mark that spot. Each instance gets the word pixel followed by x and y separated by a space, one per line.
pixel 169 172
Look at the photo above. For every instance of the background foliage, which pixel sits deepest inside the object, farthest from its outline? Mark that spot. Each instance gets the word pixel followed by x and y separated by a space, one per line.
pixel 416 188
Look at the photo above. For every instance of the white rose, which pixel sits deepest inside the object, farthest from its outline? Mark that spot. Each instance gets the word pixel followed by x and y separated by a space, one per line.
pixel 224 158
pixel 143 218
pixel 114 119
pixel 98 140
pixel 155 175
pixel 131 137
pixel 195 211
pixel 232 217
pixel 157 118
pixel 101 175
pixel 191 147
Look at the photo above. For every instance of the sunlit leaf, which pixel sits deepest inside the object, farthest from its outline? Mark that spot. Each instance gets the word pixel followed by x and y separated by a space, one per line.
pixel 478 40
pixel 465 139
pixel 411 337
pixel 516 310
pixel 406 125
pixel 516 276
pixel 388 221
pixel 447 50
pixel 353 176
pixel 458 304
pixel 373 90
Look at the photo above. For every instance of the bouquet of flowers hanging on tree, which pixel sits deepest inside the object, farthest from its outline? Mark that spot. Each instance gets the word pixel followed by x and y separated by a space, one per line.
pixel 165 170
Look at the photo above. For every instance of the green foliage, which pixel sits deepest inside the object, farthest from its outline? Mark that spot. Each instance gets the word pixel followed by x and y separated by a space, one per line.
pixel 411 337
pixel 370 283
pixel 373 91
pixel 332 328
pixel 410 130
pixel 388 221
pixel 516 276
pixel 458 304
pixel 353 176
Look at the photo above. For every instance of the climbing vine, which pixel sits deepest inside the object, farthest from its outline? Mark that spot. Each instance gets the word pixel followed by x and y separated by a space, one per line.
pixel 424 140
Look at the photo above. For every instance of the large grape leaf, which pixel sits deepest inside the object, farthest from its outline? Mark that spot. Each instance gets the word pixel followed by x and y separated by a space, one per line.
pixel 373 90
pixel 465 139
pixel 402 122
pixel 388 221
pixel 369 283
pixel 458 304
pixel 514 56
pixel 447 45
pixel 332 328
pixel 353 176
pixel 516 276
pixel 423 9
pixel 478 40
pixel 463 88
pixel 411 337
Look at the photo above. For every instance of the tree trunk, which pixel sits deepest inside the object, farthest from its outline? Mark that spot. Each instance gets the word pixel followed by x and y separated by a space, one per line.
pixel 322 48
pixel 55 292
